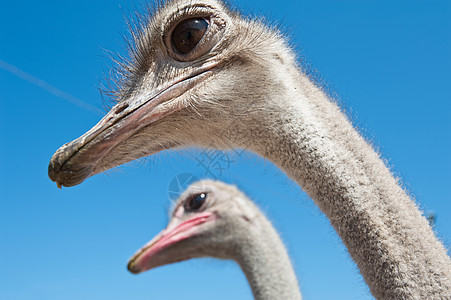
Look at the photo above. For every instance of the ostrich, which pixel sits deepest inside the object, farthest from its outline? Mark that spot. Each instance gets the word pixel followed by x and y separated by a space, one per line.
pixel 215 219
pixel 202 75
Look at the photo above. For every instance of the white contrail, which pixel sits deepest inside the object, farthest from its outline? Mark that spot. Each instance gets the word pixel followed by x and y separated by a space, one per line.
pixel 49 88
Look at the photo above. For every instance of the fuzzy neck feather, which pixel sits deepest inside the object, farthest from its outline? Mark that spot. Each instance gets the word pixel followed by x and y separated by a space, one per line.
pixel 384 231
pixel 263 258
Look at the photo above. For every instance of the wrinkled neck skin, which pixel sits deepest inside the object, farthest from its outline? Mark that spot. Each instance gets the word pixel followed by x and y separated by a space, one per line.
pixel 264 260
pixel 386 235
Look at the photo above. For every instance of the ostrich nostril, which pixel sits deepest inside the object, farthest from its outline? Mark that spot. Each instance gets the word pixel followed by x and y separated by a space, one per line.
pixel 121 108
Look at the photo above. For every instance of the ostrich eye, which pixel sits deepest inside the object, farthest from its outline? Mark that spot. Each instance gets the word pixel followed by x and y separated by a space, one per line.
pixel 188 33
pixel 195 202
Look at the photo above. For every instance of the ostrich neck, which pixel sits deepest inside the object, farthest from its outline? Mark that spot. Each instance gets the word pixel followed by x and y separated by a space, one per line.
pixel 264 260
pixel 385 233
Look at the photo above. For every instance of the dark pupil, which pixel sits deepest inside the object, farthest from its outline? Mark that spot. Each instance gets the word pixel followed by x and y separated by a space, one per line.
pixel 188 34
pixel 196 202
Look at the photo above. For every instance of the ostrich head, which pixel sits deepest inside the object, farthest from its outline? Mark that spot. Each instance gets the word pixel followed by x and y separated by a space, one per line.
pixel 211 219
pixel 202 75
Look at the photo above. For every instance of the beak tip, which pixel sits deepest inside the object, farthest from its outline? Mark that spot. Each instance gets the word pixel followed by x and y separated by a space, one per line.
pixel 132 268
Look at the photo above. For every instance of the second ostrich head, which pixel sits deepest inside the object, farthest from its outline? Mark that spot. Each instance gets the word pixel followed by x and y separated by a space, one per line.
pixel 214 219
pixel 210 219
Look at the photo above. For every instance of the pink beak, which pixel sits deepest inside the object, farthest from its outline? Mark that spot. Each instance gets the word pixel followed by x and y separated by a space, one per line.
pixel 148 256
pixel 75 161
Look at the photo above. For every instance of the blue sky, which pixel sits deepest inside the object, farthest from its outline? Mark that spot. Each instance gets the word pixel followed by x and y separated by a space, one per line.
pixel 389 63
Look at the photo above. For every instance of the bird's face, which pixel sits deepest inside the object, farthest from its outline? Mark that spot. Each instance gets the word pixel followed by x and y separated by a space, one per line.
pixel 205 222
pixel 196 68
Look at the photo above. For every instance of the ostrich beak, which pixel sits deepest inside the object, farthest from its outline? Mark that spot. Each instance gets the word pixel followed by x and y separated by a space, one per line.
pixel 75 161
pixel 153 254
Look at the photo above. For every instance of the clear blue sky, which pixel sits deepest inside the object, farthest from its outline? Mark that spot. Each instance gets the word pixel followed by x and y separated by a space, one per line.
pixel 389 63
